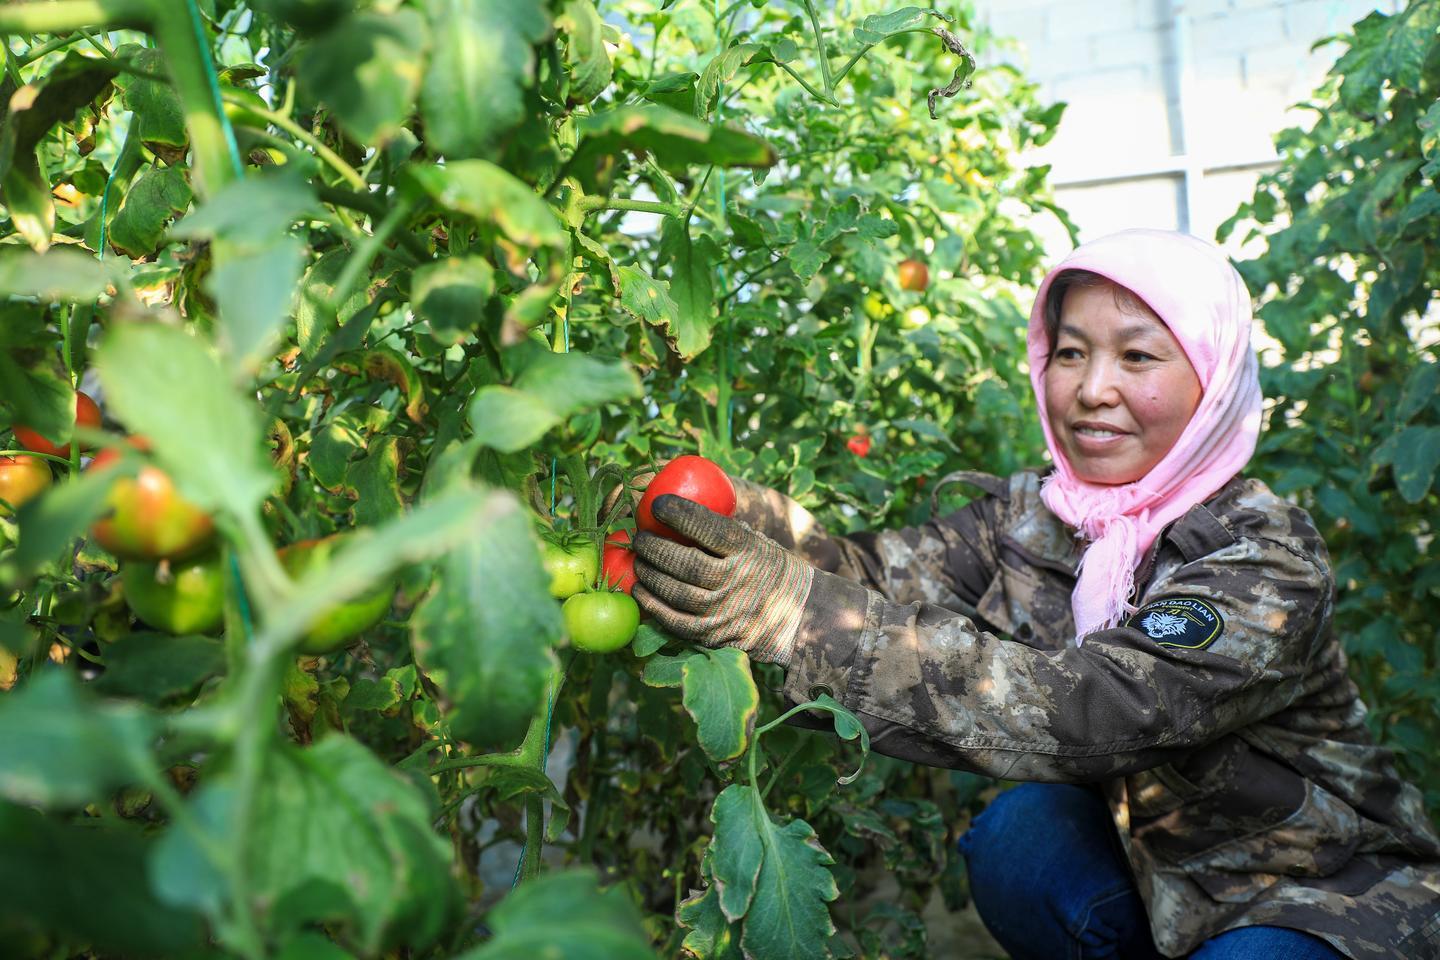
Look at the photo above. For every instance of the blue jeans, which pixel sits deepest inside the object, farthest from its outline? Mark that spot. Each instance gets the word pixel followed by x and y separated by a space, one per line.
pixel 1051 882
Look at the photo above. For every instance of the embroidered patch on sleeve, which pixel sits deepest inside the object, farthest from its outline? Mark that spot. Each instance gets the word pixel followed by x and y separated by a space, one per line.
pixel 1181 622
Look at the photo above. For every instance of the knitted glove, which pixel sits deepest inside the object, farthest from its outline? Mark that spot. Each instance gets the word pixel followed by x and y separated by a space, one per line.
pixel 735 588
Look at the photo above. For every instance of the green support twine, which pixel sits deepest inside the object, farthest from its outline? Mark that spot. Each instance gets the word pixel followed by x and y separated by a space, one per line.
pixel 214 81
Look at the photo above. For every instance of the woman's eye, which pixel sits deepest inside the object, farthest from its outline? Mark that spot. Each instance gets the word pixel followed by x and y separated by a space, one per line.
pixel 1137 356
pixel 1066 353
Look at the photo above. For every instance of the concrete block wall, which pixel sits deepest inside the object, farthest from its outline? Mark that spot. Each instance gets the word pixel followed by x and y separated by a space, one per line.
pixel 1146 99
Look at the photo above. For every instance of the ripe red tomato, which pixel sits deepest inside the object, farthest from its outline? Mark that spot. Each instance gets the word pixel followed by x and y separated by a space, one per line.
pixel 617 564
pixel 148 519
pixel 21 479
pixel 600 622
pixel 859 444
pixel 693 478
pixel 186 597
pixel 335 628
pixel 914 275
pixel 87 414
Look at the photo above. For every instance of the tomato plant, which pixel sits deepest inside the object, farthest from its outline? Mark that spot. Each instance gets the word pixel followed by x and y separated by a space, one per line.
pixel 601 622
pixel 21 480
pixel 859 444
pixel 183 596
pixel 87 415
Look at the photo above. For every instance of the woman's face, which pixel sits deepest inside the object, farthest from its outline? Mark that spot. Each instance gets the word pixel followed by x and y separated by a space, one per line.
pixel 1119 389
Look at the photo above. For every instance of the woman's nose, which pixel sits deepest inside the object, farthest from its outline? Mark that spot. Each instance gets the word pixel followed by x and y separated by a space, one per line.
pixel 1099 387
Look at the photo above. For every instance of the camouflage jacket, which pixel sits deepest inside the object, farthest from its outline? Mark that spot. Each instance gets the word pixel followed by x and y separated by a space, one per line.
pixel 1219 718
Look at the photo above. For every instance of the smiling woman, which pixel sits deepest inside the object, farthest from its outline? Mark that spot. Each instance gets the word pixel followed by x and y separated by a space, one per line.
pixel 1119 389
pixel 1140 630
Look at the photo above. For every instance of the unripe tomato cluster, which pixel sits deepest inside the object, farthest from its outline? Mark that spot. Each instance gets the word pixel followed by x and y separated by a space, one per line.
pixel 605 620
pixel 171 572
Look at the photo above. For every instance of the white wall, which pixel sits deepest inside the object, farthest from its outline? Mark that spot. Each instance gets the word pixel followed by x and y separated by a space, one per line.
pixel 1173 104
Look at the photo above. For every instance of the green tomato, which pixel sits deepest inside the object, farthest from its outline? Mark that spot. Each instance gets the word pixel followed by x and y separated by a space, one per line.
pixel 572 566
pixel 335 627
pixel 184 596
pixel 601 622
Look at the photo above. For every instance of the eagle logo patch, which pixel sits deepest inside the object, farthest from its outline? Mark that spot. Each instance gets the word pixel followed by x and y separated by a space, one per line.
pixel 1182 622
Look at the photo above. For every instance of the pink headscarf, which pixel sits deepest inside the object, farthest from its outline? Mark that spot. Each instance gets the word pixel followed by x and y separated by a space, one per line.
pixel 1193 288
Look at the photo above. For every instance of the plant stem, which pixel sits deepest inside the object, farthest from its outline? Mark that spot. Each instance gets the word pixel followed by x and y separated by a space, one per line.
pixel 818 95
pixel 366 250
pixel 336 162
pixel 591 204
pixel 48 47
pixel 191 76
pixel 820 51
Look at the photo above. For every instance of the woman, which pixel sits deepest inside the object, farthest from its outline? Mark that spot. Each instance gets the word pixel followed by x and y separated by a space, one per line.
pixel 1142 632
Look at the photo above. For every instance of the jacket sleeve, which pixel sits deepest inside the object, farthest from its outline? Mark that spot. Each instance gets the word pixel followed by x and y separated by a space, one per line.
pixel 932 687
pixel 948 562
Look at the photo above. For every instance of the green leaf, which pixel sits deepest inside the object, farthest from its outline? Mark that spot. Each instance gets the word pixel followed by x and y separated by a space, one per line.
pixel 663 671
pixel 484 191
pixel 710 935
pixel 60 274
pixel 374 482
pixel 316 318
pixel 335 836
pixel 36 395
pixel 155 667
pixel 675 139
pixel 483 60
pixel 648 640
pixel 548 388
pixel 1416 458
pixel 737 852
pixel 720 696
pixel 450 296
pixel 161 194
pixel 777 874
pixel 26 194
pixel 367 69
pixel 1421 388
pixel 336 443
pixel 586 59
pixel 251 211
pixel 565 916
pixel 692 265
pixel 87 883
pixel 874 29
pixel 649 300
pixel 721 70
pixel 806 259
pixel 63 749
pixel 253 287
pixel 166 384
pixel 159 114
pixel 491 660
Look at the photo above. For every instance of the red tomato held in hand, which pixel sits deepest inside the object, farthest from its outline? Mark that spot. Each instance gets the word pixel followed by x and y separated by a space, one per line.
pixel 617 565
pixel 21 479
pixel 87 414
pixel 693 478
pixel 914 275
pixel 148 519
pixel 859 445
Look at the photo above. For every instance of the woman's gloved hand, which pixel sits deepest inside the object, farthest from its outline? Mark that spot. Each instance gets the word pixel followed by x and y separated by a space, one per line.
pixel 736 588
